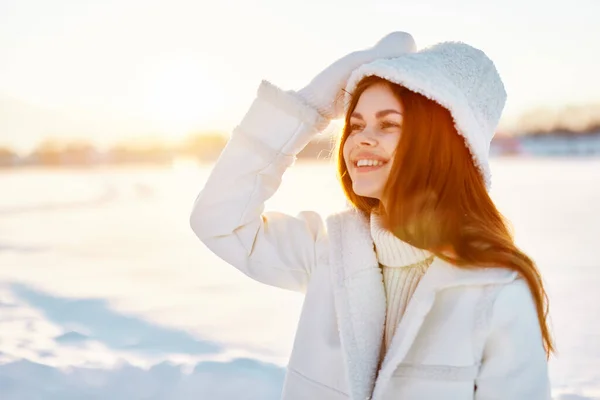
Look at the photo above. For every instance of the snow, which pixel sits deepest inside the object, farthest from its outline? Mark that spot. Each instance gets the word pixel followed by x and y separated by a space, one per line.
pixel 237 379
pixel 106 294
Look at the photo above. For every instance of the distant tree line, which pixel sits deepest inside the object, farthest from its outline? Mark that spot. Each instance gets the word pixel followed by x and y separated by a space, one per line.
pixel 575 120
pixel 57 152
pixel 206 146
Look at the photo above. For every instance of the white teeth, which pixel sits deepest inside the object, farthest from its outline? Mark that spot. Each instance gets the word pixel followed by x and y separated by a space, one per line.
pixel 368 163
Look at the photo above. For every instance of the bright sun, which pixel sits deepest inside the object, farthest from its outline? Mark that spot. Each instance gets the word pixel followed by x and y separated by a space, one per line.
pixel 180 96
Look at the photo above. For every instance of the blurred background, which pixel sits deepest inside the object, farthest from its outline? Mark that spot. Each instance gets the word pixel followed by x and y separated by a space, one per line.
pixel 112 113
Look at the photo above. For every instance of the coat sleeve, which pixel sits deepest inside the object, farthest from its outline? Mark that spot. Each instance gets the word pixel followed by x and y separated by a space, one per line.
pixel 228 215
pixel 514 362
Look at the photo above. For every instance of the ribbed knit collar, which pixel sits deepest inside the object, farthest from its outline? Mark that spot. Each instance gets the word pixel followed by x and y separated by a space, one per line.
pixel 391 251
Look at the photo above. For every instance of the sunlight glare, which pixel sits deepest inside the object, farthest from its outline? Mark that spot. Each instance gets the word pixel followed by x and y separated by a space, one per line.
pixel 181 96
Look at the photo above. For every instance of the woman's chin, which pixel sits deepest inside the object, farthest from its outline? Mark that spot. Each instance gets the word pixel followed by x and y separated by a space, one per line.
pixel 365 191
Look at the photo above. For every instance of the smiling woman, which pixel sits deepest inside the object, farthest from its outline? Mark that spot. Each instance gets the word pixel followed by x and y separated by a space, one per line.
pixel 180 96
pixel 418 290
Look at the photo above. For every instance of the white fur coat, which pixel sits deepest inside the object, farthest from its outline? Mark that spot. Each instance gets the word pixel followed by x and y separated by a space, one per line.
pixel 466 334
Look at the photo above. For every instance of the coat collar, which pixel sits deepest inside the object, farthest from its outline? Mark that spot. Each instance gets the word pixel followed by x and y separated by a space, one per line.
pixel 359 297
pixel 360 302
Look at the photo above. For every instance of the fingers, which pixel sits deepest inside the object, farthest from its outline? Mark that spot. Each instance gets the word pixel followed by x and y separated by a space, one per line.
pixel 397 39
pixel 393 44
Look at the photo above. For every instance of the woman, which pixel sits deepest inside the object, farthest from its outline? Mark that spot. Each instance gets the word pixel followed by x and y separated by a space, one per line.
pixel 417 291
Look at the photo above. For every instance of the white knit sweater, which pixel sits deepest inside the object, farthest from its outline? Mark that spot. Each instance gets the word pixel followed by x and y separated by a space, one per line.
pixel 402 265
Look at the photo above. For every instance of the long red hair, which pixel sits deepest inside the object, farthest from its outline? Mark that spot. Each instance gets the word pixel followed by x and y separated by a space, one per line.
pixel 436 197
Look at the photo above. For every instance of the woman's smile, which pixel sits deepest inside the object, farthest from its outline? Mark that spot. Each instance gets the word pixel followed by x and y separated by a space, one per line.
pixel 365 166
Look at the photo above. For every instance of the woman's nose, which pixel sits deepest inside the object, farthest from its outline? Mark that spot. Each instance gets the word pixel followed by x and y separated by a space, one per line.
pixel 367 138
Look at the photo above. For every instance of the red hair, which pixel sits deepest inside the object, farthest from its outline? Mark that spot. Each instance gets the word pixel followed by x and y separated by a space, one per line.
pixel 436 197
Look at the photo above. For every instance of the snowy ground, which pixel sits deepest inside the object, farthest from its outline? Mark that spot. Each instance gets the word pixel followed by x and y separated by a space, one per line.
pixel 106 294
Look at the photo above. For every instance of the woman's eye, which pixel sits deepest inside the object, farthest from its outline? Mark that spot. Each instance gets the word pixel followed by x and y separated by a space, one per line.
pixel 387 125
pixel 355 127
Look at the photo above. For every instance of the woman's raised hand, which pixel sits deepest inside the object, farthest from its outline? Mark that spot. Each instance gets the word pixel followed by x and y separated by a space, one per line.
pixel 325 91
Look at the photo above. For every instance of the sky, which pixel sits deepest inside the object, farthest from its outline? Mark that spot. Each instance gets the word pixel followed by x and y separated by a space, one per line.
pixel 112 69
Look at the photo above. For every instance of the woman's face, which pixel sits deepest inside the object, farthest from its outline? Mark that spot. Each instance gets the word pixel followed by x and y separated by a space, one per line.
pixel 374 131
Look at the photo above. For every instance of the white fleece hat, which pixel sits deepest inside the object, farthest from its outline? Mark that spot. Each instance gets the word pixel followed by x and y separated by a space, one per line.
pixel 457 76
